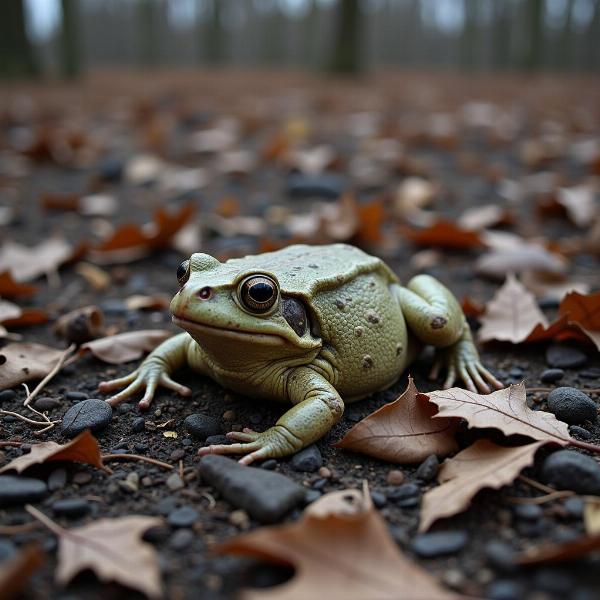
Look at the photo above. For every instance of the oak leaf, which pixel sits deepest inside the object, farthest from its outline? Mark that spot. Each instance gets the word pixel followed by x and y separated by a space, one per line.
pixel 403 431
pixel 12 315
pixel 341 550
pixel 15 572
pixel 125 347
pixel 583 311
pixel 482 465
pixel 579 203
pixel 445 234
pixel 9 288
pixel 561 551
pixel 504 409
pixel 84 449
pixel 20 362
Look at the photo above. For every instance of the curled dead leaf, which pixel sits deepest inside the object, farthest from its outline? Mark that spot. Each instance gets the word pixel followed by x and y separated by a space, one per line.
pixel 444 234
pixel 21 362
pixel 561 552
pixel 81 325
pixel 583 311
pixel 9 288
pixel 125 347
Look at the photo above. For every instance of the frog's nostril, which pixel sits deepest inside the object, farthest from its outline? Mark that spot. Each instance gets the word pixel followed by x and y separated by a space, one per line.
pixel 205 293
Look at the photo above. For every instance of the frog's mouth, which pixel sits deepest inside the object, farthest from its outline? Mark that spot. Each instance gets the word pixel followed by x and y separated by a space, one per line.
pixel 202 329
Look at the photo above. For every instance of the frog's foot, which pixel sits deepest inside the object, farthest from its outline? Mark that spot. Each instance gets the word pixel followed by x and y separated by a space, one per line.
pixel 272 443
pixel 147 378
pixel 462 362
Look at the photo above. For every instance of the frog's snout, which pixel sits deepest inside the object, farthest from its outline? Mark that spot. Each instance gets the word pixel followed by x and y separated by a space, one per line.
pixel 204 293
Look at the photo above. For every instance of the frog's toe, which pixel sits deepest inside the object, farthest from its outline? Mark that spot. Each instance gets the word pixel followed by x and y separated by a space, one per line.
pixel 240 448
pixel 482 386
pixel 171 384
pixel 489 377
pixel 115 384
pixel 247 435
pixel 129 391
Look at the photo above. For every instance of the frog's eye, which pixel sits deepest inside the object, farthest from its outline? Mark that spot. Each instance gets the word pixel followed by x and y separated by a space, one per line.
pixel 183 272
pixel 258 293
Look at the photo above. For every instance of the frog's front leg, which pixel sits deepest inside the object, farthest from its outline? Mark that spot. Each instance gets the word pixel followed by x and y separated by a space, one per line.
pixel 435 317
pixel 317 407
pixel 155 370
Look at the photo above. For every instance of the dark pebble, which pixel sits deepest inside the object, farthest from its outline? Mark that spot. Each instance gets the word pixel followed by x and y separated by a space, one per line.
pixel 71 507
pixel 505 589
pixel 185 516
pixel 202 426
pixel 324 185
pixel 574 507
pixel 43 404
pixel 528 512
pixel 430 545
pixel 554 581
pixel 379 499
pixel 500 556
pixel 307 460
pixel 407 495
pixel 76 396
pixel 255 419
pixel 141 447
pixel 319 484
pixel 165 506
pixel 110 170
pixel 157 534
pixel 114 308
pixel 552 375
pixel 311 496
pixel 90 414
pixel 428 469
pixel 177 454
pixel 591 373
pixel 571 470
pixel 572 405
pixel 181 539
pixel 7 395
pixel 565 357
pixel 580 432
pixel 265 495
pixel 216 440
pixel 269 465
pixel 138 424
pixel 19 490
pixel 516 372
pixel 186 442
pixel 7 549
pixel 57 479
pixel 124 408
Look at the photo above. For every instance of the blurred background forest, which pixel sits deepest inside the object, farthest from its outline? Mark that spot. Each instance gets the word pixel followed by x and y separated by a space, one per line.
pixel 69 37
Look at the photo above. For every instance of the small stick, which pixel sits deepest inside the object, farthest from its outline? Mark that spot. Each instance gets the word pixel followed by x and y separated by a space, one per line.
pixel 14 444
pixel 547 389
pixel 181 469
pixel 57 367
pixel 44 520
pixel 152 461
pixel 211 501
pixel 30 421
pixel 14 529
pixel 556 495
pixel 537 485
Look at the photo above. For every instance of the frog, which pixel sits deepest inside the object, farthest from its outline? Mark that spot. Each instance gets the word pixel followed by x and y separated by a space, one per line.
pixel 312 326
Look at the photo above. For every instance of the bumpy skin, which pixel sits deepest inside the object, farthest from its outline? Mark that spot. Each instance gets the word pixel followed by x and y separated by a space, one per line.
pixel 341 326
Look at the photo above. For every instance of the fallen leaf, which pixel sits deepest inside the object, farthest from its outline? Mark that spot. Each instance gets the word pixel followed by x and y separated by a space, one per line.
pixel 481 217
pixel 580 203
pixel 20 362
pixel 552 286
pixel 403 431
pixel 412 196
pixel 140 302
pixel 591 516
pixel 12 315
pixel 26 264
pixel 472 308
pixel 83 449
pixel 81 325
pixel 339 553
pixel 125 347
pixel 583 311
pixel 504 409
pixel 9 288
pixel 131 242
pixel 371 217
pixel 560 552
pixel 97 278
pixel 444 234
pixel 15 572
pixel 481 465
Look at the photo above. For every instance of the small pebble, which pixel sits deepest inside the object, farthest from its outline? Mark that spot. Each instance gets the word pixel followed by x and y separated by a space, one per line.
pixel 7 395
pixel 505 589
pixel 45 404
pixel 528 512
pixel 174 482
pixel 57 479
pixel 201 426
pixel 395 477
pixel 71 507
pixel 177 454
pixel 82 477
pixel 572 405
pixel 591 373
pixel 554 581
pixel 500 556
pixel 140 447
pixel 571 470
pixel 16 489
pixel 138 425
pixel 307 460
pixel 269 464
pixel 565 357
pixel 239 518
pixel 181 539
pixel 574 507
pixel 76 396
pixel 407 495
pixel 430 545
pixel 379 499
pixel 229 416
pixel 325 473
pixel 184 516
pixel 89 414
pixel 124 408
pixel 552 375
pixel 216 440
pixel 7 549
pixel 428 469
pixel 580 432
pixel 311 496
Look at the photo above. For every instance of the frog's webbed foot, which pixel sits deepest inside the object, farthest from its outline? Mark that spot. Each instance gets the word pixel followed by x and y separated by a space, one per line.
pixel 147 377
pixel 462 361
pixel 272 443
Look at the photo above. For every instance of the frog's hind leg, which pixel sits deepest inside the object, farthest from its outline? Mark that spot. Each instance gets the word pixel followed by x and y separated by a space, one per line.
pixel 435 317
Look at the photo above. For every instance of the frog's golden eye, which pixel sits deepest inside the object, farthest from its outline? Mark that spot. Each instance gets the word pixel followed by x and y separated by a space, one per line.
pixel 258 293
pixel 183 272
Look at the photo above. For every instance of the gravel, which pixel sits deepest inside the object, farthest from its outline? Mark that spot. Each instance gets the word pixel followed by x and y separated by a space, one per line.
pixel 552 375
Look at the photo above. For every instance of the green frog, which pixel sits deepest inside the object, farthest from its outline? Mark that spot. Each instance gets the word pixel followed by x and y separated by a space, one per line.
pixel 311 326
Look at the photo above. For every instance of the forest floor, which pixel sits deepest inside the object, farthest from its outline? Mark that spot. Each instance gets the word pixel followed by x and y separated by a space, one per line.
pixel 266 160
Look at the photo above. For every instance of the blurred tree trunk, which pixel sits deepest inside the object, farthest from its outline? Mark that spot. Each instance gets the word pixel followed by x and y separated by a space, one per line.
pixel 310 36
pixel 468 40
pixel 565 39
pixel 533 47
pixel 18 59
pixel 147 28
pixel 501 37
pixel 273 36
pixel 70 49
pixel 347 46
pixel 592 42
pixel 213 35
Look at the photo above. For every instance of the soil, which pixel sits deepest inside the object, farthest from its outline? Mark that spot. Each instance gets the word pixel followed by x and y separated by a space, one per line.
pixel 468 163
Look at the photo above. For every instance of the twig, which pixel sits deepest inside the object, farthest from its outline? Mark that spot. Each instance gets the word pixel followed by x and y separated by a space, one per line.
pixel 211 501
pixel 556 495
pixel 152 461
pixel 181 469
pixel 44 520
pixel 14 529
pixel 57 367
pixel 547 389
pixel 14 444
pixel 537 485
pixel 30 421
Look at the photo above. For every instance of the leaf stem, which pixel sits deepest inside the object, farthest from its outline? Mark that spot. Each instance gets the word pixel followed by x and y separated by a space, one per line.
pixel 45 520
pixel 584 445
pixel 152 461
pixel 548 389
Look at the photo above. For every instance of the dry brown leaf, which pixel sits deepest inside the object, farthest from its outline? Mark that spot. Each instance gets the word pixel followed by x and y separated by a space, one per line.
pixel 591 516
pixel 560 552
pixel 371 216
pixel 9 288
pixel 505 410
pixel 580 204
pixel 20 362
pixel 132 242
pixel 12 315
pixel 124 347
pixel 27 263
pixel 140 302
pixel 412 196
pixel 16 572
pixel 481 217
pixel 554 287
pixel 81 325
pixel 97 278
pixel 583 311
pixel 338 553
pixel 444 234
pixel 83 449
pixel 481 465
pixel 403 431
pixel 114 551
